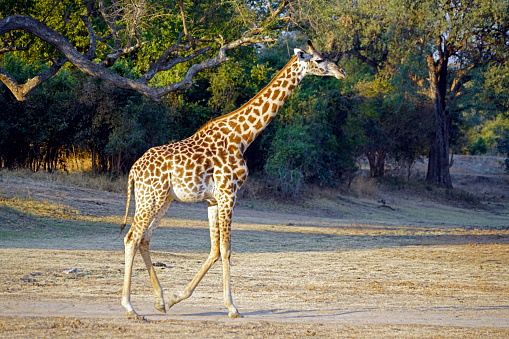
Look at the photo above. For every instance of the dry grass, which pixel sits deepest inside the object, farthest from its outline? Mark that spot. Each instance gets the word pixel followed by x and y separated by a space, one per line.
pixel 335 265
pixel 449 291
pixel 365 186
pixel 101 182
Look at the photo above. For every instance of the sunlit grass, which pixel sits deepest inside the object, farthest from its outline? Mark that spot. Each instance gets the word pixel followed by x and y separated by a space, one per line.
pixel 48 209
pixel 43 208
pixel 84 179
pixel 31 219
pixel 52 210
pixel 376 230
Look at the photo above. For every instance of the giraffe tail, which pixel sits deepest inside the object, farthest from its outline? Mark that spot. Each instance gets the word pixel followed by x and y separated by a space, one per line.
pixel 129 191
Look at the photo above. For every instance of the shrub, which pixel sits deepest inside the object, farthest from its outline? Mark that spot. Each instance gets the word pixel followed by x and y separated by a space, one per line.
pixel 479 147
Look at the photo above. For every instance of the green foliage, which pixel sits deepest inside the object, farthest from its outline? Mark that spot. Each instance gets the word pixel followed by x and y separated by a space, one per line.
pixel 479 147
pixel 291 156
pixel 63 16
pixel 494 130
pixel 496 86
pixel 226 86
pixel 382 110
pixel 70 113
pixel 34 131
pixel 410 41
pixel 21 71
pixel 308 142
pixel 487 116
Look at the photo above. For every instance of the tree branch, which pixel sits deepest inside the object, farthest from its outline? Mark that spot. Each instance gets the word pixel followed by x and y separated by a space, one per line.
pixel 457 84
pixel 21 91
pixel 163 65
pixel 365 59
pixel 90 54
pixel 184 22
pixel 82 62
pixel 10 45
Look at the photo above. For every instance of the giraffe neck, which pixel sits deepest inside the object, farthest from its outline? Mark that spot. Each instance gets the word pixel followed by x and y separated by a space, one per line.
pixel 252 118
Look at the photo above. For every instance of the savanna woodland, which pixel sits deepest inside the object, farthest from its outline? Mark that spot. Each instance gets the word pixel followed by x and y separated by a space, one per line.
pixel 105 80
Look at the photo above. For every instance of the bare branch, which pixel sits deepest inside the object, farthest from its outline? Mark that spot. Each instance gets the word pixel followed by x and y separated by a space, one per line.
pixel 111 23
pixel 196 68
pixel 168 59
pixel 163 65
pixel 21 91
pixel 270 6
pixel 183 13
pixel 93 38
pixel 462 78
pixel 112 57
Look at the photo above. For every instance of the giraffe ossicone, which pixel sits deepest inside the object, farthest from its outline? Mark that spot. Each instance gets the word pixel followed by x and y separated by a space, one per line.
pixel 208 166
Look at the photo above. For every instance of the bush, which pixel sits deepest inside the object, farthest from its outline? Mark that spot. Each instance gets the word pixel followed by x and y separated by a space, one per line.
pixel 479 147
pixel 290 157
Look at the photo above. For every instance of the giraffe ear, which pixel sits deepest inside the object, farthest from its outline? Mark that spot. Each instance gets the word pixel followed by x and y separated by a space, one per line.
pixel 303 56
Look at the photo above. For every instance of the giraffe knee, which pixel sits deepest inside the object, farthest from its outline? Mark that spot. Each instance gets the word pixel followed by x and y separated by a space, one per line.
pixel 225 254
pixel 128 237
pixel 132 239
pixel 214 255
pixel 144 246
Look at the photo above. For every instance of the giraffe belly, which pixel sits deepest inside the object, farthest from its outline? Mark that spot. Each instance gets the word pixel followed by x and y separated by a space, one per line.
pixel 195 193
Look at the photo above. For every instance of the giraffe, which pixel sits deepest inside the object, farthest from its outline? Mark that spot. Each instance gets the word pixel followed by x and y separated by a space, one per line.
pixel 208 166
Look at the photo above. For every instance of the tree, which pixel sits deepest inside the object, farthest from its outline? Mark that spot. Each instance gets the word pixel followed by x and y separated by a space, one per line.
pixel 186 37
pixel 452 37
pixel 466 36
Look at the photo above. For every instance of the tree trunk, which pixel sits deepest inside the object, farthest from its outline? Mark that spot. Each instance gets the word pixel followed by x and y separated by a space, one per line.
pixel 119 163
pixel 376 163
pixel 94 160
pixel 380 164
pixel 438 164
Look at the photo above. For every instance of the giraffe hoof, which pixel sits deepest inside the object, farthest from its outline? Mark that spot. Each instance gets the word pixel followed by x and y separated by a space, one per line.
pixel 131 314
pixel 160 308
pixel 235 314
pixel 135 316
pixel 172 301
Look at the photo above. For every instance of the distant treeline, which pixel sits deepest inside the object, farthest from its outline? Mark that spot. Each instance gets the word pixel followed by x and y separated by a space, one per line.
pixel 317 136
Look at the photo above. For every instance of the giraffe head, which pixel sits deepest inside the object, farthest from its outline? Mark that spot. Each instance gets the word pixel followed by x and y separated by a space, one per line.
pixel 317 64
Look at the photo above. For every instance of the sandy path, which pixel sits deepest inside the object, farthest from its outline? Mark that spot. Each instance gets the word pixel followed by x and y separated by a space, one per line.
pixel 479 317
pixel 294 274
pixel 411 291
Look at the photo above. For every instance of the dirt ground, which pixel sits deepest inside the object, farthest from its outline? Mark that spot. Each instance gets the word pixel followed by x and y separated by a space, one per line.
pixel 340 266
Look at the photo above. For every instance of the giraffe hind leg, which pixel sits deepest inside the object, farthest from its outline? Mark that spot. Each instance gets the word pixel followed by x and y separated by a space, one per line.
pixel 132 242
pixel 145 253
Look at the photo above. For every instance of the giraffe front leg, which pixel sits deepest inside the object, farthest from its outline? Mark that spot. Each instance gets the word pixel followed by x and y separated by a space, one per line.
pixel 225 244
pixel 213 257
pixel 233 312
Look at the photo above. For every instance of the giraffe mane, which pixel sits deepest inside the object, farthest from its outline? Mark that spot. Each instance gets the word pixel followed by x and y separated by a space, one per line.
pixel 206 126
